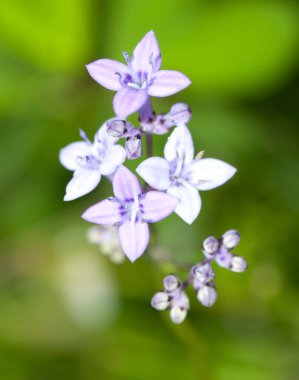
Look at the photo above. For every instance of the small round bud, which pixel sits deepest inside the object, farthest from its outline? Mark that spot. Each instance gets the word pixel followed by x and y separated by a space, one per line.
pixel 210 245
pixel 207 296
pixel 160 301
pixel 133 147
pixel 116 127
pixel 203 273
pixel 180 113
pixel 171 283
pixel 231 239
pixel 177 315
pixel 238 264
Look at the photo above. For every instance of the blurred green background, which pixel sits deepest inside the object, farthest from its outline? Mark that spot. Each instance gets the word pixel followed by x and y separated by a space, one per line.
pixel 66 312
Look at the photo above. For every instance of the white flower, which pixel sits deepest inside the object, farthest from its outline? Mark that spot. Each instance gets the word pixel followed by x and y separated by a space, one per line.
pixel 182 175
pixel 89 161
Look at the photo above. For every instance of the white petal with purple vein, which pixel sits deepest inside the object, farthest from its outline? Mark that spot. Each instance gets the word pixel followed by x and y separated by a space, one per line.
pixel 147 51
pixel 208 173
pixel 125 184
pixel 156 172
pixel 128 100
pixel 106 212
pixel 134 238
pixel 189 204
pixel 156 206
pixel 105 72
pixel 115 155
pixel 83 182
pixel 179 145
pixel 168 82
pixel 68 155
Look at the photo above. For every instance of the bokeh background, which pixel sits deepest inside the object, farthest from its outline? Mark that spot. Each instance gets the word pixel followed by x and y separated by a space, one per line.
pixel 66 312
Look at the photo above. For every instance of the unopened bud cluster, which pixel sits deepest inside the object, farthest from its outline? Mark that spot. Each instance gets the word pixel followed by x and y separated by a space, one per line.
pixel 201 277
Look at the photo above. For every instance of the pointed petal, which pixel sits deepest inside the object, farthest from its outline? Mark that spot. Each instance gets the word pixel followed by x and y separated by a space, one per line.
pixel 156 172
pixel 179 145
pixel 106 212
pixel 115 155
pixel 208 173
pixel 128 101
pixel 106 73
pixel 147 51
pixel 125 184
pixel 168 82
pixel 68 155
pixel 134 238
pixel 83 182
pixel 189 202
pixel 156 206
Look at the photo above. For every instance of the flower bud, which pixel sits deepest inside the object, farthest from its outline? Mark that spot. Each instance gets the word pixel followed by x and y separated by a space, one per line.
pixel 180 113
pixel 203 273
pixel 210 246
pixel 171 283
pixel 177 315
pixel 160 301
pixel 133 147
pixel 207 295
pixel 238 264
pixel 231 239
pixel 116 127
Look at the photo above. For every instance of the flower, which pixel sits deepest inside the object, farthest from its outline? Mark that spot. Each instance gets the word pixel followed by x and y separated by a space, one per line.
pixel 181 175
pixel 89 161
pixel 131 211
pixel 220 251
pixel 138 79
pixel 173 298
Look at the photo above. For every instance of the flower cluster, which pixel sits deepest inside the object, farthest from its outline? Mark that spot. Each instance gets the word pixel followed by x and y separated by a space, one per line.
pixel 172 182
pixel 201 277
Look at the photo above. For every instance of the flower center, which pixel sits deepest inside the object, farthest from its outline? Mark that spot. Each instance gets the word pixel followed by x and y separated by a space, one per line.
pixel 88 162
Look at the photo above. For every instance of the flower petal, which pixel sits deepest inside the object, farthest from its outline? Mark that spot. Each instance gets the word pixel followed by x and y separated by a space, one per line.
pixel 155 171
pixel 106 73
pixel 115 155
pixel 156 206
pixel 106 212
pixel 134 238
pixel 125 184
pixel 146 56
pixel 189 202
pixel 102 136
pixel 168 82
pixel 179 145
pixel 208 173
pixel 128 100
pixel 68 155
pixel 83 182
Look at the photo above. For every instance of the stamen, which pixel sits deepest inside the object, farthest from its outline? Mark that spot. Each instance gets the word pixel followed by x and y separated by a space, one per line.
pixel 83 136
pixel 126 57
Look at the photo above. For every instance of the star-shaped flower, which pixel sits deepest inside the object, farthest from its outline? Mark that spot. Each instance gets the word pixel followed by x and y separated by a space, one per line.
pixel 138 79
pixel 89 161
pixel 131 211
pixel 181 175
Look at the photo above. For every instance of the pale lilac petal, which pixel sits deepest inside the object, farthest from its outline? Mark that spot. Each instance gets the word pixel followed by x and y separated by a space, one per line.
pixel 128 100
pixel 107 73
pixel 115 155
pixel 68 155
pixel 146 55
pixel 125 184
pixel 156 172
pixel 168 82
pixel 189 204
pixel 106 212
pixel 103 137
pixel 208 173
pixel 134 238
pixel 179 145
pixel 156 206
pixel 83 182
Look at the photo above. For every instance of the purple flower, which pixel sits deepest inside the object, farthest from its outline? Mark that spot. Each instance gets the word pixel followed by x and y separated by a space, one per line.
pixel 138 79
pixel 181 175
pixel 89 161
pixel 131 211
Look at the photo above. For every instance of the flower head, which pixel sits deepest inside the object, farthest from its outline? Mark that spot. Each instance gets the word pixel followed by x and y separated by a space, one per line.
pixel 131 211
pixel 89 161
pixel 182 175
pixel 139 78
